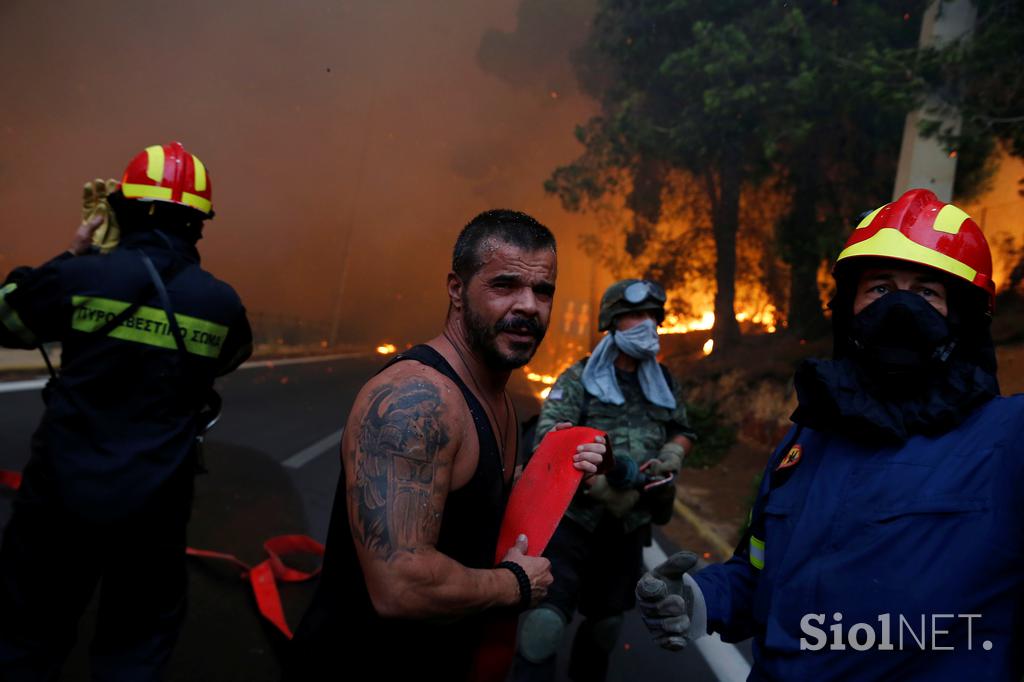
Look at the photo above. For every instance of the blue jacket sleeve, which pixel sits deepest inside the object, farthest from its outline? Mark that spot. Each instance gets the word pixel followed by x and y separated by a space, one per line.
pixel 729 588
pixel 729 594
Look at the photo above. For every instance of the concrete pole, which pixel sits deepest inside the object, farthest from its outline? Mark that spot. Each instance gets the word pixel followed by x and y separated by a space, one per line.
pixel 926 163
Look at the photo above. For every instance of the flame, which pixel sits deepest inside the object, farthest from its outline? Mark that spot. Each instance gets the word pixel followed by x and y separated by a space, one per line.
pixel 674 324
pixel 386 348
pixel 764 317
pixel 753 311
pixel 545 381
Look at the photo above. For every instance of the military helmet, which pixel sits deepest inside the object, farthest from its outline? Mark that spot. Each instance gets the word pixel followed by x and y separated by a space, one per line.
pixel 630 295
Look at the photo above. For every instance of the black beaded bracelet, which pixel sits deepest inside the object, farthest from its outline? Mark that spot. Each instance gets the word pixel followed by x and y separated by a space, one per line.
pixel 525 592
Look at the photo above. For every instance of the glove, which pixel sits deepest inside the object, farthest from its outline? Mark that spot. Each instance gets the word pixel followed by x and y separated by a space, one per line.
pixel 670 460
pixel 94 202
pixel 671 603
pixel 617 502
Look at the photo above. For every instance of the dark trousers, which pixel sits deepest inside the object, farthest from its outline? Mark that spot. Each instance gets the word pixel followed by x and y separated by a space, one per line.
pixel 595 573
pixel 51 562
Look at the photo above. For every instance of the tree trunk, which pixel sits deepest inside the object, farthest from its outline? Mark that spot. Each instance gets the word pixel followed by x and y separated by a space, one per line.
pixel 800 236
pixel 805 313
pixel 645 202
pixel 725 224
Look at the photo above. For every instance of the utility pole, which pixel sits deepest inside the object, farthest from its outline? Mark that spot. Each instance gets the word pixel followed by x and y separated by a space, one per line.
pixel 926 163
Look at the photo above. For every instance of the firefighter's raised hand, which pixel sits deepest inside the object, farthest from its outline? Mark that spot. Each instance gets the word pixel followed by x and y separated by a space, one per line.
pixel 671 603
pixel 82 240
pixel 95 203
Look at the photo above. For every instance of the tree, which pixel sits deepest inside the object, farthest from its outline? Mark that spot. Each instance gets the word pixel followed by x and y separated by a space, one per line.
pixel 852 89
pixel 980 77
pixel 728 95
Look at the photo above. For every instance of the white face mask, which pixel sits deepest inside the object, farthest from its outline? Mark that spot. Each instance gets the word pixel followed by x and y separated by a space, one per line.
pixel 639 342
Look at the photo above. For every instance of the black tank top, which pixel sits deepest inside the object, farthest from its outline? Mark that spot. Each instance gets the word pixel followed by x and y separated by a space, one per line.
pixel 341 624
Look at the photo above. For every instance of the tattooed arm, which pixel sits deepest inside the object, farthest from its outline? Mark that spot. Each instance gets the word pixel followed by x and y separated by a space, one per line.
pixel 400 443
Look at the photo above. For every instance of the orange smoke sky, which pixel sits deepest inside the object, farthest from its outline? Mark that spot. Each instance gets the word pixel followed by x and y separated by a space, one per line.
pixel 312 116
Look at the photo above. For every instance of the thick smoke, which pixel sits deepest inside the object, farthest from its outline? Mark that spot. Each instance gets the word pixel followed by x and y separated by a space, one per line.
pixel 318 119
pixel 537 51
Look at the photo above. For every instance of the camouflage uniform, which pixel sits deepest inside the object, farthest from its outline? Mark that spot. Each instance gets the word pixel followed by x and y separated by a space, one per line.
pixel 596 557
pixel 636 429
pixel 596 552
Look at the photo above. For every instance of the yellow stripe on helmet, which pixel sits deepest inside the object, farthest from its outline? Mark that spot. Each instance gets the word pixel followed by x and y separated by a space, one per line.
pixel 155 163
pixel 869 217
pixel 891 243
pixel 200 174
pixel 196 202
pixel 134 191
pixel 949 219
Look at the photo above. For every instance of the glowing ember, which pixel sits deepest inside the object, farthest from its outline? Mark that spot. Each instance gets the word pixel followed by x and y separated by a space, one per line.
pixel 386 348
pixel 544 394
pixel 709 346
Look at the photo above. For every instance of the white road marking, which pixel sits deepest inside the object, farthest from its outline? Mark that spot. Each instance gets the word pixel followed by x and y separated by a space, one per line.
pixel 35 384
pixel 724 659
pixel 256 364
pixel 310 453
pixel 27 385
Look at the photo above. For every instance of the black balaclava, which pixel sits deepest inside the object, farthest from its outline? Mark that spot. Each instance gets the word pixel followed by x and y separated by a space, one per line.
pixel 900 368
pixel 140 216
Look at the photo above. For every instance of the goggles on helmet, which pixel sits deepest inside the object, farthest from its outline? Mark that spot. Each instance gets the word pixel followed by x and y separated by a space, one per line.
pixel 638 292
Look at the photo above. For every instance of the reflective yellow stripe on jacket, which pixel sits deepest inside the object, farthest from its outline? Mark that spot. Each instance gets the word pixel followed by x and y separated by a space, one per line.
pixel 147 325
pixel 10 319
pixel 756 553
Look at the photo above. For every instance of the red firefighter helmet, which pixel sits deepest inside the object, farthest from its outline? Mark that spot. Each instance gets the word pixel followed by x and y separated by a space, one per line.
pixel 919 228
pixel 169 173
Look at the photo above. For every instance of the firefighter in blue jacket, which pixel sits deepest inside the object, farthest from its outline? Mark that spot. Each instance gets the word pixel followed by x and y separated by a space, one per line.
pixel 107 492
pixel 887 539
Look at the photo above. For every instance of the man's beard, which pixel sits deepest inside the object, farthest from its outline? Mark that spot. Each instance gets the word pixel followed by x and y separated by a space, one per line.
pixel 484 339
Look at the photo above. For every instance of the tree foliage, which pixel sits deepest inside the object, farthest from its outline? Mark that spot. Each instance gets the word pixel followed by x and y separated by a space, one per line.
pixel 796 102
pixel 980 77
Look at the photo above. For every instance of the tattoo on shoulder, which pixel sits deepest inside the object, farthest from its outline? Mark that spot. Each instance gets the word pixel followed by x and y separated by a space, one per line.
pixel 395 502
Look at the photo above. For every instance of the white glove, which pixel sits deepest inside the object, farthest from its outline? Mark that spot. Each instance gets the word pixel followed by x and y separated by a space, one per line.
pixel 671 602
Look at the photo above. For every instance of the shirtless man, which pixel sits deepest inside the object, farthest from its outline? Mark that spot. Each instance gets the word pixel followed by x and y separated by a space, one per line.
pixel 429 452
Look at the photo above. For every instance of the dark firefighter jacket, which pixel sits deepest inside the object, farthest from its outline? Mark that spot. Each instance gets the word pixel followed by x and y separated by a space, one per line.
pixel 903 562
pixel 122 415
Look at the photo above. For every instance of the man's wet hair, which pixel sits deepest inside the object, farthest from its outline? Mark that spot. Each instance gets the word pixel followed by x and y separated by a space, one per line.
pixel 499 225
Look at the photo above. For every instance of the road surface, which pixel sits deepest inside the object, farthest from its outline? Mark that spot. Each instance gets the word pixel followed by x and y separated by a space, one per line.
pixel 273 461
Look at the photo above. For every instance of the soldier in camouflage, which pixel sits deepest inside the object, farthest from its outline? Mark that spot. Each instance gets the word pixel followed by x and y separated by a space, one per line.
pixel 597 552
